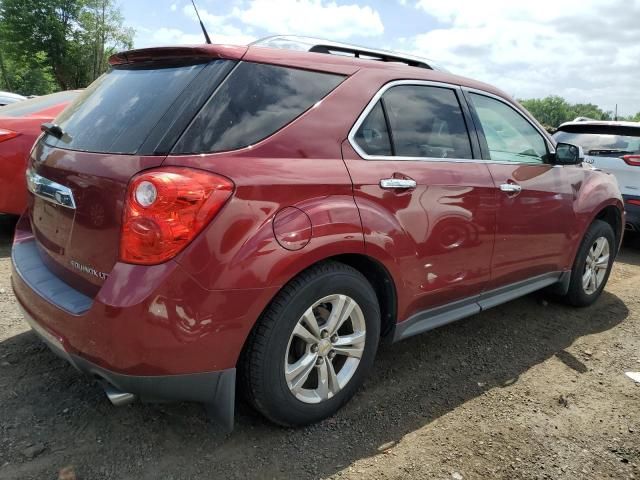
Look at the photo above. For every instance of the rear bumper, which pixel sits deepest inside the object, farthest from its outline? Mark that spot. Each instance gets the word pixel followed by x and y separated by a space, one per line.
pixel 145 320
pixel 150 331
pixel 633 213
pixel 214 389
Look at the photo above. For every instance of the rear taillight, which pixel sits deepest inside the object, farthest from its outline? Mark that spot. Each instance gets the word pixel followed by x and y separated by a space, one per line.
pixel 633 201
pixel 7 135
pixel 165 209
pixel 633 160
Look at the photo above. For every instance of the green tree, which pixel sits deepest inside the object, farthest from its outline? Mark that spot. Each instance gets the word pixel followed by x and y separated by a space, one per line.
pixel 634 118
pixel 554 110
pixel 104 33
pixel 27 76
pixel 67 39
pixel 550 111
pixel 589 110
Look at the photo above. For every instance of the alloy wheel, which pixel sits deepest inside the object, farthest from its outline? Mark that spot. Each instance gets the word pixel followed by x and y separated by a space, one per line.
pixel 595 268
pixel 325 348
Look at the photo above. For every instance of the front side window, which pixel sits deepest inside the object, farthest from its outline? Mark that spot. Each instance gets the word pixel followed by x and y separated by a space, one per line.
pixel 509 136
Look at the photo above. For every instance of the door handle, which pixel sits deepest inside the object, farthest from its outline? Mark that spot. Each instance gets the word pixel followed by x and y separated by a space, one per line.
pixel 511 188
pixel 392 183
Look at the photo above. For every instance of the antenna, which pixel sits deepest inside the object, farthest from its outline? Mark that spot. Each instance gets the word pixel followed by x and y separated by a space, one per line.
pixel 204 30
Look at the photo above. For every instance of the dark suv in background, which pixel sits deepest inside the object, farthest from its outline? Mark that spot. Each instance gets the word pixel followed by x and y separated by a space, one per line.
pixel 201 214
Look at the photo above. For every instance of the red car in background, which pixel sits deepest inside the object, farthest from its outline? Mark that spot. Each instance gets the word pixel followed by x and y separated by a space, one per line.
pixel 19 127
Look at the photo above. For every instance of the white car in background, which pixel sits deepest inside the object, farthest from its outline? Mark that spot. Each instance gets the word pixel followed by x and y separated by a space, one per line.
pixel 7 97
pixel 615 148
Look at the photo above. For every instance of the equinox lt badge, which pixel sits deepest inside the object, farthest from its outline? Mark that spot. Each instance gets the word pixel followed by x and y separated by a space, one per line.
pixel 89 269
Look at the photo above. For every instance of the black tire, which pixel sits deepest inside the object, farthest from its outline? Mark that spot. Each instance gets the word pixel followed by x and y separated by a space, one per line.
pixel 262 378
pixel 576 294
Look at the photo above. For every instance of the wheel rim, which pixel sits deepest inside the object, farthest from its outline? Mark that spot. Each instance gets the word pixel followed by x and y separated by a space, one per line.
pixel 325 348
pixel 595 267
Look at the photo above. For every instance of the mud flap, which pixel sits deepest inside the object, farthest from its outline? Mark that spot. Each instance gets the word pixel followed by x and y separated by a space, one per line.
pixel 221 409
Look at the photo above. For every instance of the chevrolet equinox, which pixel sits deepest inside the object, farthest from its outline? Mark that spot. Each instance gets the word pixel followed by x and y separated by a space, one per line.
pixel 265 215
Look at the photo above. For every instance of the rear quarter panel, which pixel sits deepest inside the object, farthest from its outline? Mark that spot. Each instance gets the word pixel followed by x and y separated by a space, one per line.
pixel 239 250
pixel 299 166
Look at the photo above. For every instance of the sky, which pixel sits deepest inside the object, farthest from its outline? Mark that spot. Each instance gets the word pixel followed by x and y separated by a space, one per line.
pixel 586 51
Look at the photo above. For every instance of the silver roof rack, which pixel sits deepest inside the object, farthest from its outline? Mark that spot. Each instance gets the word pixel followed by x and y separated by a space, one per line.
pixel 318 45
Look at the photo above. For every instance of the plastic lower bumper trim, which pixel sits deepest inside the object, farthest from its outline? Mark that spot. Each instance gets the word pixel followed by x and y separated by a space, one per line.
pixel 216 390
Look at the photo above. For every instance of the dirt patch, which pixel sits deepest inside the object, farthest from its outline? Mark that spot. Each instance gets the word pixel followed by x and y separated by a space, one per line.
pixel 531 389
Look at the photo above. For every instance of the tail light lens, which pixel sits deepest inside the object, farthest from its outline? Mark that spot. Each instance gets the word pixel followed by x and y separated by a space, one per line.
pixel 633 201
pixel 633 160
pixel 7 135
pixel 165 209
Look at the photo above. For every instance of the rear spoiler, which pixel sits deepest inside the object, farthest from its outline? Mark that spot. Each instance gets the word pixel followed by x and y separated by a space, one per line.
pixel 193 53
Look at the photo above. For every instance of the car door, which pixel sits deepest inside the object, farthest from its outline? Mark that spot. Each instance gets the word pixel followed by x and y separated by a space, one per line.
pixel 535 212
pixel 427 207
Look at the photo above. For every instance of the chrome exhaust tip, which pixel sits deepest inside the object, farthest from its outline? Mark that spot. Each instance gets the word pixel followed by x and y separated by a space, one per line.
pixel 117 397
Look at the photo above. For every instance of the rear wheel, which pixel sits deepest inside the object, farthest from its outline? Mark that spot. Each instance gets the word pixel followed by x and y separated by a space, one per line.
pixel 592 265
pixel 313 346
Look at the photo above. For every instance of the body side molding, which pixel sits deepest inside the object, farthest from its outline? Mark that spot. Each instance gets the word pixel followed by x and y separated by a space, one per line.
pixel 439 316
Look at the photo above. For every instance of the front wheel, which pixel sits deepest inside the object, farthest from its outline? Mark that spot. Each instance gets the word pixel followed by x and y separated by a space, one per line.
pixel 592 265
pixel 313 346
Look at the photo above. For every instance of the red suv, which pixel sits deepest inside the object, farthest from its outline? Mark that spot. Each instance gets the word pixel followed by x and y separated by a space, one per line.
pixel 205 213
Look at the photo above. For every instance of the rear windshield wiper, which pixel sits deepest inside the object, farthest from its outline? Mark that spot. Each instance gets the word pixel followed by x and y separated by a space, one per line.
pixel 52 129
pixel 608 152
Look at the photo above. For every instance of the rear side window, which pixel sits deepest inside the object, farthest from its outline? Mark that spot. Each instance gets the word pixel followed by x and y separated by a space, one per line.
pixel 373 136
pixel 118 111
pixel 426 122
pixel 254 102
pixel 423 122
pixel 35 105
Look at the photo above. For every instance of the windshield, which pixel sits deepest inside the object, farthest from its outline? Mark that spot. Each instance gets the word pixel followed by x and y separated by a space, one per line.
pixel 602 143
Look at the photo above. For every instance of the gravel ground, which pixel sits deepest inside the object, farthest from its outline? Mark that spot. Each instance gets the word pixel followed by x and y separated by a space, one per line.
pixel 531 389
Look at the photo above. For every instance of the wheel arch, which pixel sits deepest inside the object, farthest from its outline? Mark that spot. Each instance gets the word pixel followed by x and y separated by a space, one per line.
pixel 610 212
pixel 376 274
pixel 383 284
pixel 612 215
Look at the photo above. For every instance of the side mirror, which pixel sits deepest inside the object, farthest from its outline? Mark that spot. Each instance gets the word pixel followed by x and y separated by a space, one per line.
pixel 567 154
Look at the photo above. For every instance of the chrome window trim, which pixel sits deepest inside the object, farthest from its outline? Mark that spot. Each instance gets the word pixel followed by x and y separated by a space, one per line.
pixel 372 103
pixel 542 133
pixel 49 190
pixel 457 88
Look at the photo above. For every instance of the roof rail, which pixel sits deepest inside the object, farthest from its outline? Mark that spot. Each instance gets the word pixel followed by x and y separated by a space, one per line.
pixel 318 45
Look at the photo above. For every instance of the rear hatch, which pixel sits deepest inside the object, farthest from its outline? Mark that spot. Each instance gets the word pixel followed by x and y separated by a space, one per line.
pixel 125 122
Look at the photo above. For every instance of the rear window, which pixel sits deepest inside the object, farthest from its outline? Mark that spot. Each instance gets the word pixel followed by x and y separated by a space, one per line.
pixel 119 110
pixel 254 102
pixel 602 140
pixel 35 105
